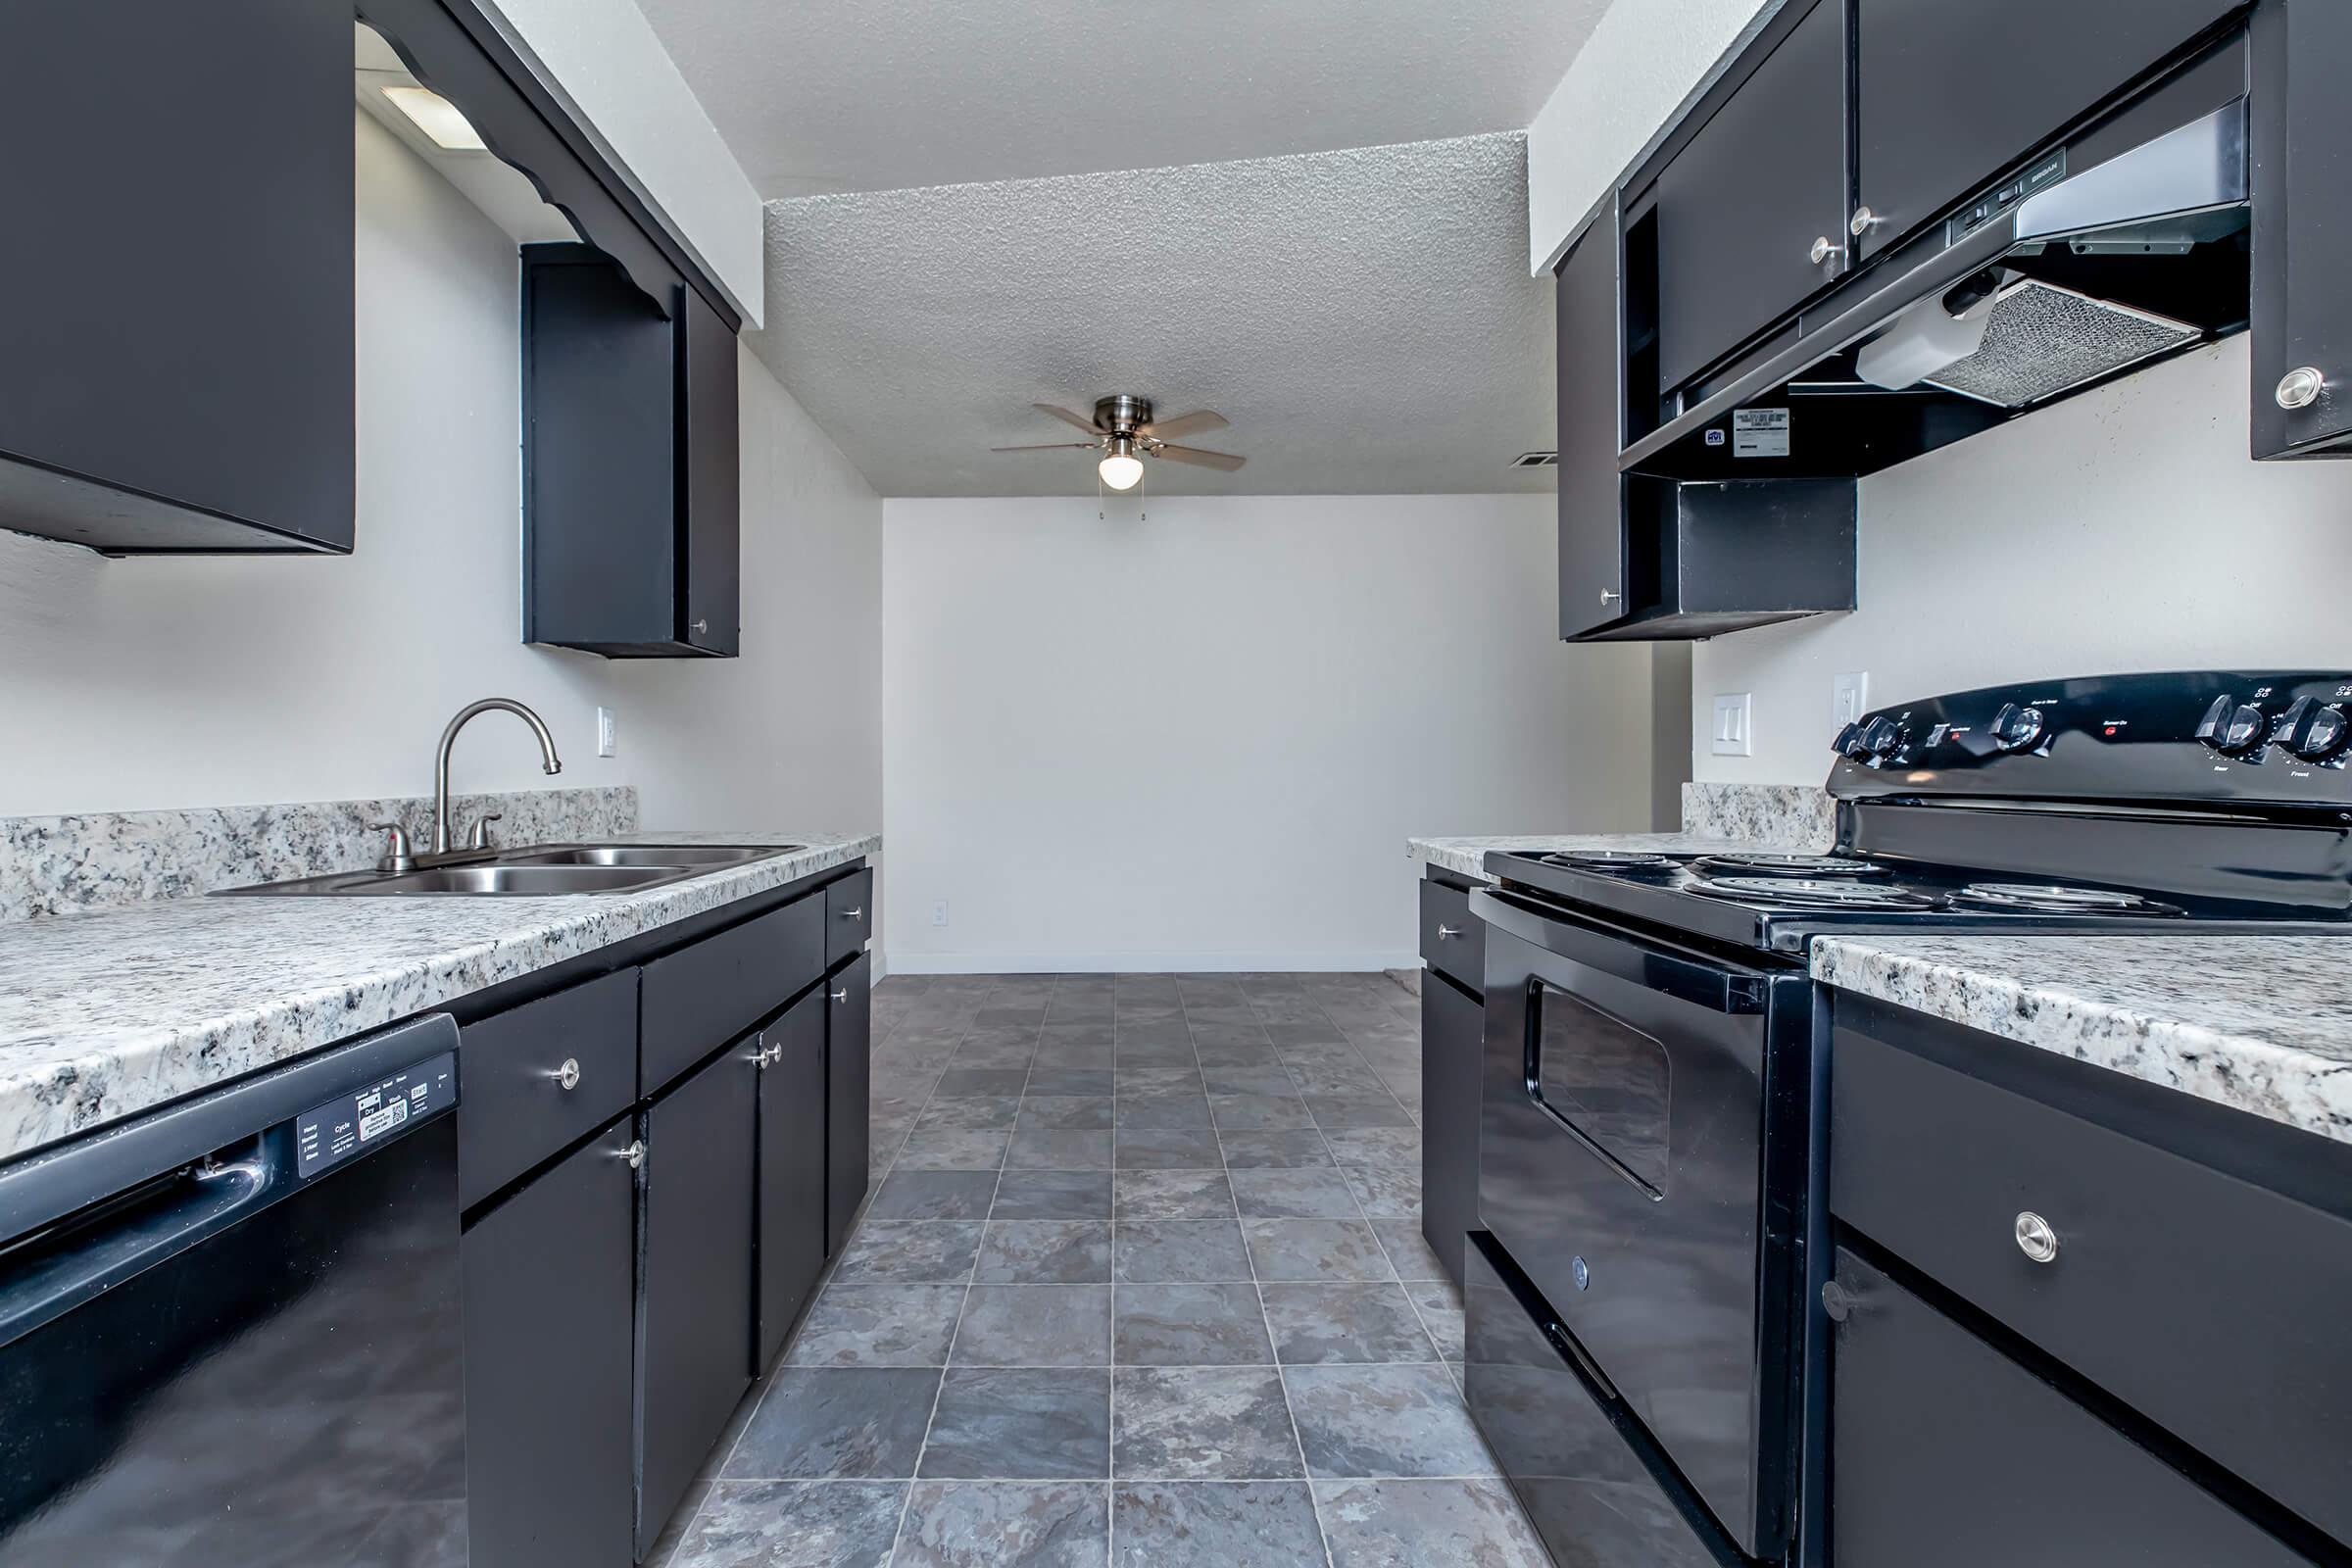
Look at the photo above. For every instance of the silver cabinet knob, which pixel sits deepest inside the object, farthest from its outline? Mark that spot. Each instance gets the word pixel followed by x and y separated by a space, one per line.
pixel 634 1153
pixel 2036 1239
pixel 1862 222
pixel 568 1076
pixel 764 1060
pixel 1823 250
pixel 700 627
pixel 1610 596
pixel 2300 388
pixel 843 995
pixel 858 913
pixel 1446 933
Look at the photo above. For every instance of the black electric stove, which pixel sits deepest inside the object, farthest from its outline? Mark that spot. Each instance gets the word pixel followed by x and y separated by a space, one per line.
pixel 2131 803
pixel 1652 1091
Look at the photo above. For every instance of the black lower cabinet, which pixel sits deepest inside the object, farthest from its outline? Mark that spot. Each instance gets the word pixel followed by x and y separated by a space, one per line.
pixel 550 1301
pixel 695 1290
pixel 790 1248
pixel 849 1081
pixel 1452 1029
pixel 1945 1453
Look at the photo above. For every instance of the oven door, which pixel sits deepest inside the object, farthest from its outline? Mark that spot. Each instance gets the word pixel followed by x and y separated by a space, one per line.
pixel 1626 1132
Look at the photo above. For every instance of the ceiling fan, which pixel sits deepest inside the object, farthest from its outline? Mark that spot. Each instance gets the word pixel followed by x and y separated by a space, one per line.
pixel 1125 433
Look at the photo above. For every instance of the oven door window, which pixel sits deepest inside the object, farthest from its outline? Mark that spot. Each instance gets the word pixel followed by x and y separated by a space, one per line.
pixel 1609 1084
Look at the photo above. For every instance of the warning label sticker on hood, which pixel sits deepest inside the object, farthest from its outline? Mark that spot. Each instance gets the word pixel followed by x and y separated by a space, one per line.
pixel 1760 433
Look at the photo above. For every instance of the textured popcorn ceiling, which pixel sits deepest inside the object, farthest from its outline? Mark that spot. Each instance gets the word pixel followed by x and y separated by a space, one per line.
pixel 831 95
pixel 1363 318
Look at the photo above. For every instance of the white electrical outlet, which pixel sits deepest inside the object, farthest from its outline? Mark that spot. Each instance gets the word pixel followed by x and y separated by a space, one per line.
pixel 1731 736
pixel 939 912
pixel 606 741
pixel 1849 699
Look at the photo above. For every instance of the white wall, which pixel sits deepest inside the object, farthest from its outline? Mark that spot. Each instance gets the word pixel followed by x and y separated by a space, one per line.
pixel 159 682
pixel 1643 61
pixel 612 65
pixel 1201 740
pixel 2123 530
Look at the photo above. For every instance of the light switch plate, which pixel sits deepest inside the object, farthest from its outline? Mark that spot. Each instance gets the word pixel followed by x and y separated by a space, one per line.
pixel 939 912
pixel 1731 735
pixel 1849 697
pixel 606 741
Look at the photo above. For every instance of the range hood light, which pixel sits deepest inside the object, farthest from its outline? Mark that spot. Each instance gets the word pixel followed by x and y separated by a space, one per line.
pixel 1122 469
pixel 438 119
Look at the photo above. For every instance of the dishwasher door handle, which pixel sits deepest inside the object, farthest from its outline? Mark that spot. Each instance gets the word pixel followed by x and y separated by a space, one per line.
pixel 77 1260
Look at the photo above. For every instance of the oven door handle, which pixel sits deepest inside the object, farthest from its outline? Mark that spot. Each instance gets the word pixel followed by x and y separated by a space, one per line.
pixel 1685 976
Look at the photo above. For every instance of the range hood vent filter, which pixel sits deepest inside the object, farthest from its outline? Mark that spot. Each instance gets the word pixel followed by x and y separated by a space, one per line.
pixel 2043 340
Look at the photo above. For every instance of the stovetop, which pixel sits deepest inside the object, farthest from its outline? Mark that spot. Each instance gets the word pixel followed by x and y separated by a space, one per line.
pixel 1778 901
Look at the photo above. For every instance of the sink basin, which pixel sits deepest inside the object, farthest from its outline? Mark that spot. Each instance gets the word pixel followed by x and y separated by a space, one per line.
pixel 536 870
pixel 697 856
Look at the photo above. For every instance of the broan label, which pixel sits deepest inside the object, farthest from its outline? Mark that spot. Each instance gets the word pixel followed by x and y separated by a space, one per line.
pixel 1760 433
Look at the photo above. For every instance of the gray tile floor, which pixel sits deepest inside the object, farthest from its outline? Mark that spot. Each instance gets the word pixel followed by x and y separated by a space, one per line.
pixel 1141 1284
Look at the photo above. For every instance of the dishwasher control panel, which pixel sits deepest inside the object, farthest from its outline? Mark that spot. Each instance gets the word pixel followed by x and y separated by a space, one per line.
pixel 327 1135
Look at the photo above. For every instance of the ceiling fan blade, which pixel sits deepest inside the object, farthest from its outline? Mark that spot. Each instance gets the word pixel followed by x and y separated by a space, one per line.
pixel 1183 424
pixel 1064 415
pixel 1198 457
pixel 1052 446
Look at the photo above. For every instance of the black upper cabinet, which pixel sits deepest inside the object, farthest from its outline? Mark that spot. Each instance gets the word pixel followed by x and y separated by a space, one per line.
pixel 1591 525
pixel 630 462
pixel 2302 186
pixel 1947 95
pixel 177 359
pixel 1751 212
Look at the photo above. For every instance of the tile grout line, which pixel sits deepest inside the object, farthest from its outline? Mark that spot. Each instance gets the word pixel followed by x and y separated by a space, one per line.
pixel 1306 1478
pixel 947 1357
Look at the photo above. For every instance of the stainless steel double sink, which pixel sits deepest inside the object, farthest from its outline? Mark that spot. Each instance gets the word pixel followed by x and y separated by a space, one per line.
pixel 536 870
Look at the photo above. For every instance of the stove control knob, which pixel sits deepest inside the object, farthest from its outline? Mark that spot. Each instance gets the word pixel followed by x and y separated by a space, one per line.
pixel 1843 745
pixel 2016 728
pixel 1879 739
pixel 2232 728
pixel 2315 731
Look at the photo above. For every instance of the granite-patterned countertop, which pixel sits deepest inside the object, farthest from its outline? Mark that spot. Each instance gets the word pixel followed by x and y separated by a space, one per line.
pixel 1468 856
pixel 2154 1007
pixel 114 1011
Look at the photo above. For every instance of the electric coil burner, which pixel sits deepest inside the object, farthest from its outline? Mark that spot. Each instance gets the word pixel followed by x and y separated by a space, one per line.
pixel 1649 1098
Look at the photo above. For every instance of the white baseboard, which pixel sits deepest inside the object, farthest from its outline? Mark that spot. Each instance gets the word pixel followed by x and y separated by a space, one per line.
pixel 1368 963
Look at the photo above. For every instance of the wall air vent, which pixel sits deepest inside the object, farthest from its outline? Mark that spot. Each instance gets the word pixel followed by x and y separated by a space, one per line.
pixel 1536 460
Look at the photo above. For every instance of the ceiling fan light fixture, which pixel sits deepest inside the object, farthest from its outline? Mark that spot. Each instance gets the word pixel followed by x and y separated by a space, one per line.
pixel 1121 469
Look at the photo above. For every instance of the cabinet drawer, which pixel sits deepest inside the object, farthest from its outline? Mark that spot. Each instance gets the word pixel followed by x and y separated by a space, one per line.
pixel 1452 938
pixel 2211 1306
pixel 540 1075
pixel 698 998
pixel 1945 1453
pixel 849 915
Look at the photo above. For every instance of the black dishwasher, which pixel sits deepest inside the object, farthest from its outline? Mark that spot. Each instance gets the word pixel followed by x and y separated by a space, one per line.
pixel 229 1330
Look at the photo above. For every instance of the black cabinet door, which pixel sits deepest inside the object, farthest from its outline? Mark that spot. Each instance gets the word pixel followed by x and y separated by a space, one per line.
pixel 2302 177
pixel 1743 209
pixel 791 1251
pixel 1452 1022
pixel 175 361
pixel 694 1299
pixel 1591 365
pixel 1946 96
pixel 630 484
pixel 710 441
pixel 549 1292
pixel 1945 1453
pixel 849 1081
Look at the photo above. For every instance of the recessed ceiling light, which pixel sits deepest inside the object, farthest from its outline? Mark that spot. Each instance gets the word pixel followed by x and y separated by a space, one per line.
pixel 438 119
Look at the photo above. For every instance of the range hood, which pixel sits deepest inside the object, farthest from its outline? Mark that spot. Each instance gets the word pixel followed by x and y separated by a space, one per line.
pixel 2087 260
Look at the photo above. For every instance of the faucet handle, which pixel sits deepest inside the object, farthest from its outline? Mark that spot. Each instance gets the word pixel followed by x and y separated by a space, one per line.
pixel 397 855
pixel 479 838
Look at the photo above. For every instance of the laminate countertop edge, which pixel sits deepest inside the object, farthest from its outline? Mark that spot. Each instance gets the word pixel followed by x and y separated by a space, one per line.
pixel 116 1012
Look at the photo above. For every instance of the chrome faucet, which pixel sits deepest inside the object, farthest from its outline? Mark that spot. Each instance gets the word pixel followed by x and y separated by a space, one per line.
pixel 448 736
